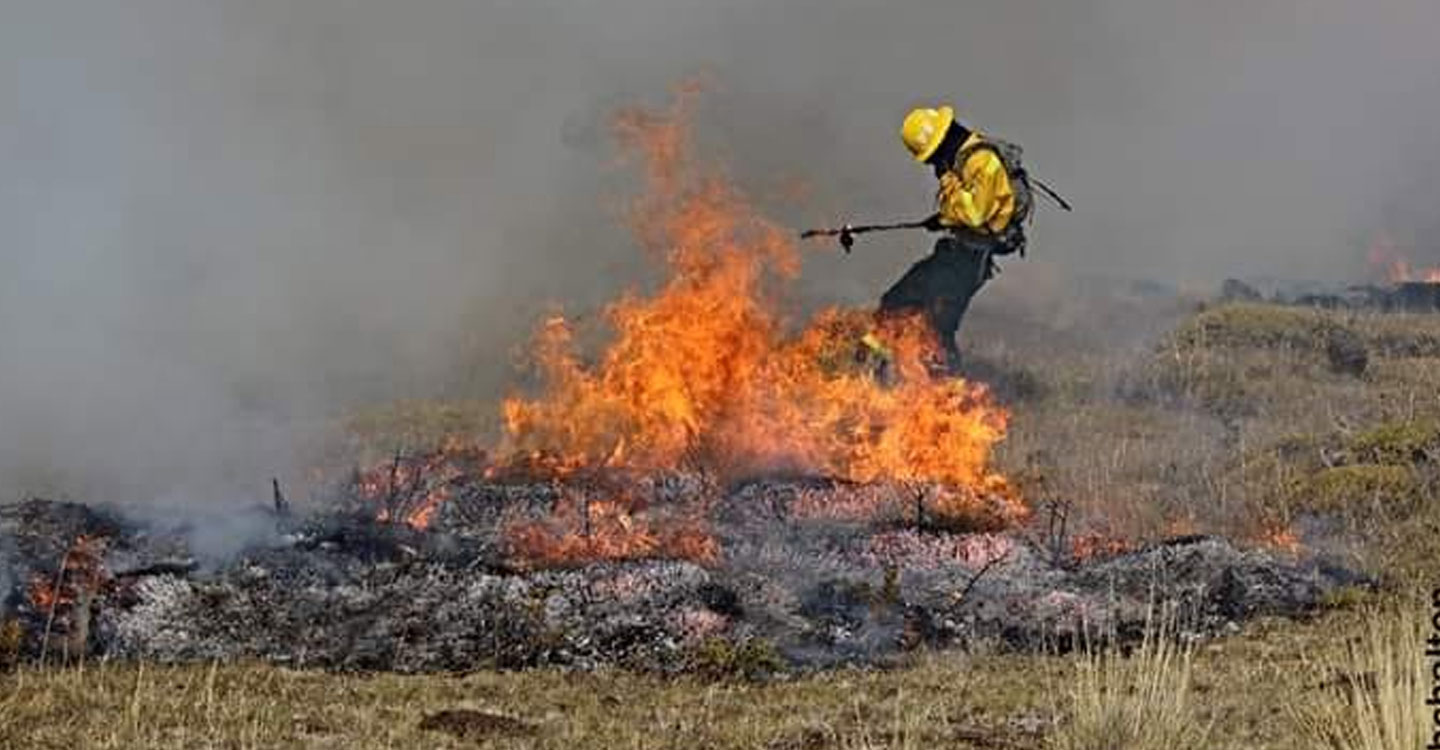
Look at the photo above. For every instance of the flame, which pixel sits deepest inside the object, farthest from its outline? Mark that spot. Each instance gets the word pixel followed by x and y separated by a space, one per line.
pixel 42 594
pixel 1385 255
pixel 583 530
pixel 1280 537
pixel 1098 545
pixel 705 373
pixel 81 571
pixel 411 490
pixel 702 373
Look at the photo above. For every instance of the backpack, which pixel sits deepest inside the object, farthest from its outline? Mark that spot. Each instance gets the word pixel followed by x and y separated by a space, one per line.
pixel 1011 157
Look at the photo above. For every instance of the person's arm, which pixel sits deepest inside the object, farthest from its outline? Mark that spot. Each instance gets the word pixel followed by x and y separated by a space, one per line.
pixel 977 195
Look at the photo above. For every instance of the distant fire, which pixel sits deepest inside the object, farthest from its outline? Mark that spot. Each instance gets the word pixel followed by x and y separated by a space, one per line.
pixel 1279 537
pixel 1401 272
pixel 1386 257
pixel 81 571
pixel 1098 545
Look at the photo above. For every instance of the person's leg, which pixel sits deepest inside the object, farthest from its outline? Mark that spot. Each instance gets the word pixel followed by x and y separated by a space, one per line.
pixel 957 276
pixel 911 293
pixel 940 287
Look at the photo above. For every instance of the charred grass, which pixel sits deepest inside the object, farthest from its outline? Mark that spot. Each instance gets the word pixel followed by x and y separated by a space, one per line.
pixel 1247 420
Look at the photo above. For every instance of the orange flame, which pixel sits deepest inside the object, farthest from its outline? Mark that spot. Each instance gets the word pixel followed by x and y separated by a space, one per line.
pixel 42 594
pixel 1280 537
pixel 583 530
pixel 82 571
pixel 411 491
pixel 702 373
pixel 1098 545
pixel 1397 269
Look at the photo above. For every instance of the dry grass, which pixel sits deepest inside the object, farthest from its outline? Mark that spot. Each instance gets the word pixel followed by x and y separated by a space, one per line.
pixel 1243 687
pixel 1140 701
pixel 1375 698
pixel 939 701
pixel 1237 423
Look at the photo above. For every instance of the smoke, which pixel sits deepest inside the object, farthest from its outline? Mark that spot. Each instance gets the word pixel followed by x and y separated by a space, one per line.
pixel 223 222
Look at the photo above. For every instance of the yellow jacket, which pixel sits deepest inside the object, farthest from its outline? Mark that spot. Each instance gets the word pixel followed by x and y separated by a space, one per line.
pixel 976 194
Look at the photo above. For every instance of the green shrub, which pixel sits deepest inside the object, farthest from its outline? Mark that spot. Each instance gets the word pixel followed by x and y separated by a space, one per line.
pixel 1259 326
pixel 718 658
pixel 1397 443
pixel 1361 486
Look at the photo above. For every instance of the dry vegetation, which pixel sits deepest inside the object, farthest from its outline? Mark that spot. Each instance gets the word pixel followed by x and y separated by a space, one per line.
pixel 1246 691
pixel 1376 701
pixel 1241 421
pixel 1139 700
pixel 1245 419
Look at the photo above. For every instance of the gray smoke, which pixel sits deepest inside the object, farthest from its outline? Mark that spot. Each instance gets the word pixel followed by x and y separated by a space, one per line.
pixel 221 222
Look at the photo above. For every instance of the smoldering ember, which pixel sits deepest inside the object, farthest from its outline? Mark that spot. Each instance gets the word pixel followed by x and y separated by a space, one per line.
pixel 714 482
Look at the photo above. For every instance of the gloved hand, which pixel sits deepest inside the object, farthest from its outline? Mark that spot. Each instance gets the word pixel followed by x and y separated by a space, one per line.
pixel 932 223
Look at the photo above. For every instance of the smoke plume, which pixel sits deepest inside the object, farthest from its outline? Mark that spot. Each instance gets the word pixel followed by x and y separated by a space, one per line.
pixel 223 222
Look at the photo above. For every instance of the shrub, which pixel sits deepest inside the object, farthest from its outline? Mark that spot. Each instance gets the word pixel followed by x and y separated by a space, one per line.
pixel 718 658
pixel 1361 487
pixel 1397 443
pixel 12 637
pixel 1259 326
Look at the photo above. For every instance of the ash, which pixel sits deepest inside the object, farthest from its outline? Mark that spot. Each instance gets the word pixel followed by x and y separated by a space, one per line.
pixel 799 568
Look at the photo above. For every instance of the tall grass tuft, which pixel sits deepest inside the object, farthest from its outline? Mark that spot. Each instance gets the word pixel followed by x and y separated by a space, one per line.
pixel 1377 700
pixel 1143 701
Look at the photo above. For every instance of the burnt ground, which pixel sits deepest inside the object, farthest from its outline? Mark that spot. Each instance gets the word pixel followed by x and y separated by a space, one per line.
pixel 796 583
pixel 1216 473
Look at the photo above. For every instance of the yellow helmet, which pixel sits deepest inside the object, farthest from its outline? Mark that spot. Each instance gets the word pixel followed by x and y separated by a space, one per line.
pixel 924 129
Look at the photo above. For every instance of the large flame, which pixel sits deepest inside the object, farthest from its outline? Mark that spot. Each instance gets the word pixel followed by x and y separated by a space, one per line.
pixel 702 373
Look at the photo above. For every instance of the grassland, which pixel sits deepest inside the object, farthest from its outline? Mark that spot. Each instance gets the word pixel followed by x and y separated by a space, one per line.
pixel 1250 420
pixel 1247 691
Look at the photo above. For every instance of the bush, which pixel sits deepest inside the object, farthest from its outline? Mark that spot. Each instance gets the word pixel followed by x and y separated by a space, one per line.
pixel 1397 443
pixel 1361 486
pixel 1258 326
pixel 718 658
pixel 12 637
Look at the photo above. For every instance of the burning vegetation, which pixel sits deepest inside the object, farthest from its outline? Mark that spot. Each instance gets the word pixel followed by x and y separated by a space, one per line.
pixel 704 375
pixel 583 530
pixel 1394 265
pixel 716 478
pixel 410 489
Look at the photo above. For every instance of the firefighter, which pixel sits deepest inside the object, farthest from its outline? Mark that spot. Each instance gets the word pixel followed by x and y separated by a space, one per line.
pixel 982 202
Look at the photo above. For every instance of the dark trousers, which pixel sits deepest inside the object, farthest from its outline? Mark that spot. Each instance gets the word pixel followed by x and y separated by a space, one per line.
pixel 941 286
